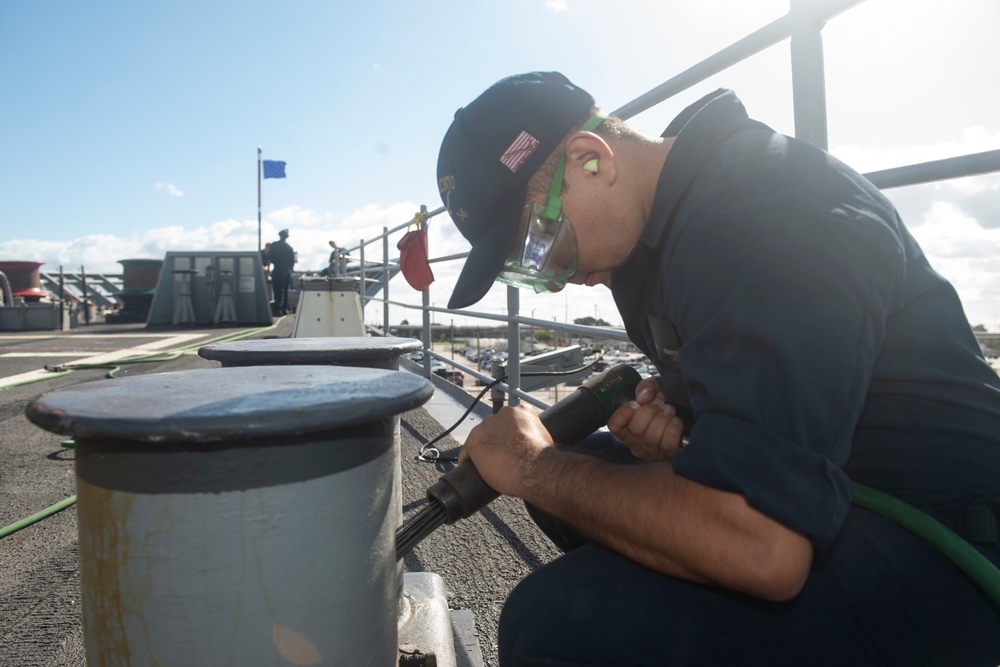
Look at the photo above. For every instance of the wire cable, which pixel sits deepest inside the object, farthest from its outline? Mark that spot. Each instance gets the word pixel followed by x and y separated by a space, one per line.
pixel 430 454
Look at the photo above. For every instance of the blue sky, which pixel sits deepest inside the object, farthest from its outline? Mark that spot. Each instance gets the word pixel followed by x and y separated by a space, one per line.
pixel 131 128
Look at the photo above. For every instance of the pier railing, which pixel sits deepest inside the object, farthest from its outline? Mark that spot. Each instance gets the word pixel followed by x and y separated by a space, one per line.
pixel 803 26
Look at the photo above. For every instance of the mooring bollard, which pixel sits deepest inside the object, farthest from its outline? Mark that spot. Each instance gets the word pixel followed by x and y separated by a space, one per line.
pixel 236 515
pixel 355 351
pixel 361 351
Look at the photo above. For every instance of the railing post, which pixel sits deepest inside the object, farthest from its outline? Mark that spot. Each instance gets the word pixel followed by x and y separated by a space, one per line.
pixel 364 283
pixel 385 280
pixel 425 299
pixel 83 287
pixel 496 393
pixel 513 344
pixel 808 78
pixel 62 299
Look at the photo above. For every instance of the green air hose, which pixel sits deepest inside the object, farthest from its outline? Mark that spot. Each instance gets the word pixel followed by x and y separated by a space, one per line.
pixel 975 565
pixel 36 517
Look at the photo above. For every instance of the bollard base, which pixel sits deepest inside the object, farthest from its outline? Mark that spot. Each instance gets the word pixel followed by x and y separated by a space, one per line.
pixel 427 626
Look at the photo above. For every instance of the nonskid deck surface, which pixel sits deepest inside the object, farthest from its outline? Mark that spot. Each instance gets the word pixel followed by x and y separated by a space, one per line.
pixel 480 559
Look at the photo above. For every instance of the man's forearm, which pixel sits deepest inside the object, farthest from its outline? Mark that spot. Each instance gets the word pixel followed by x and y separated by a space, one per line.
pixel 671 524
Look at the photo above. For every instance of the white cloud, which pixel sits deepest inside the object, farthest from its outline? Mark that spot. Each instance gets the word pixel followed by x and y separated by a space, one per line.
pixel 557 5
pixel 310 232
pixel 956 222
pixel 967 255
pixel 171 189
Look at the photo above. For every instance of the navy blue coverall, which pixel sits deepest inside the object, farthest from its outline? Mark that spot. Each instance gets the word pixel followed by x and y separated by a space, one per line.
pixel 807 343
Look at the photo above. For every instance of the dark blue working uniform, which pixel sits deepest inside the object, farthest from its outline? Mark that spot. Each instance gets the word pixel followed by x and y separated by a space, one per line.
pixel 807 342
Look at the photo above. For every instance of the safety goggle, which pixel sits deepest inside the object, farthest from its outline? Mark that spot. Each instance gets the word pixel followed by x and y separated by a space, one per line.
pixel 545 254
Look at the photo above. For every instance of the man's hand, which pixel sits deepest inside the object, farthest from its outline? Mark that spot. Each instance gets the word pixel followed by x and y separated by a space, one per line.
pixel 649 426
pixel 505 446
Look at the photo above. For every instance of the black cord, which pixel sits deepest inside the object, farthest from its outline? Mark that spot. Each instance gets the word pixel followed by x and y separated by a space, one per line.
pixel 430 454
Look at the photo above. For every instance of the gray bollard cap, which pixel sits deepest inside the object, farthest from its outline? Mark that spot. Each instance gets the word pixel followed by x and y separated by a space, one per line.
pixel 219 404
pixel 369 351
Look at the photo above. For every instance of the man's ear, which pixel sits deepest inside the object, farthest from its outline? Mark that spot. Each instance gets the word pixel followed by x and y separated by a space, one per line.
pixel 588 156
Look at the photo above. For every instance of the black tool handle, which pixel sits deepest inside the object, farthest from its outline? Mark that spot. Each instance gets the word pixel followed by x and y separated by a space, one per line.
pixel 462 492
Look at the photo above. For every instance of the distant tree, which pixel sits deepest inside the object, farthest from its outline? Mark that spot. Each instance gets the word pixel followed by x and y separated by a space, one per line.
pixel 543 335
pixel 404 323
pixel 591 322
pixel 980 327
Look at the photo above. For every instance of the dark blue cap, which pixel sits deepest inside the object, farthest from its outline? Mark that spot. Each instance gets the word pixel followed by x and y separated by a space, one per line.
pixel 493 147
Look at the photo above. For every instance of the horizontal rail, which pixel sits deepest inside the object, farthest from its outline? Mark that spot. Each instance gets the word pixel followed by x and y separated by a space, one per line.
pixel 936 170
pixel 766 37
pixel 774 32
pixel 389 232
pixel 446 258
pixel 487 379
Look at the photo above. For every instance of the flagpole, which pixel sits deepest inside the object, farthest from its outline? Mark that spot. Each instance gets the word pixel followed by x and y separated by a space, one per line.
pixel 259 168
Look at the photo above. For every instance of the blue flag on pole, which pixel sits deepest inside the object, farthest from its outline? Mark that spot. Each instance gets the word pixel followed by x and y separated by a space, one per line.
pixel 274 169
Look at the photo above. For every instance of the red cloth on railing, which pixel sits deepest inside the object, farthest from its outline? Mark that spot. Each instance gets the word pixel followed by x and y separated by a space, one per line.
pixel 413 259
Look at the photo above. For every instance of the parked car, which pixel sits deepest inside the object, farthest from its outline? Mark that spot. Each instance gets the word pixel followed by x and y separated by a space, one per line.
pixel 453 376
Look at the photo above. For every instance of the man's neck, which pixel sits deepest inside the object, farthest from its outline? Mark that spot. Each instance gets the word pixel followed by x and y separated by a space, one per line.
pixel 650 158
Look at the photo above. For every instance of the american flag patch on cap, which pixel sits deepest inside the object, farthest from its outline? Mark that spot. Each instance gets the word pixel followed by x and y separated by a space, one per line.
pixel 519 151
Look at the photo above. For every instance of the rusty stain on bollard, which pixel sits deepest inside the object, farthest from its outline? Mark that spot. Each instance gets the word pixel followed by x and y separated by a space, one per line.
pixel 103 538
pixel 236 515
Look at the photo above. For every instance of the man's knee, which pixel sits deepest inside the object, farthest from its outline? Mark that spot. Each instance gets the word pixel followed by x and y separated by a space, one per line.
pixel 527 609
pixel 556 610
